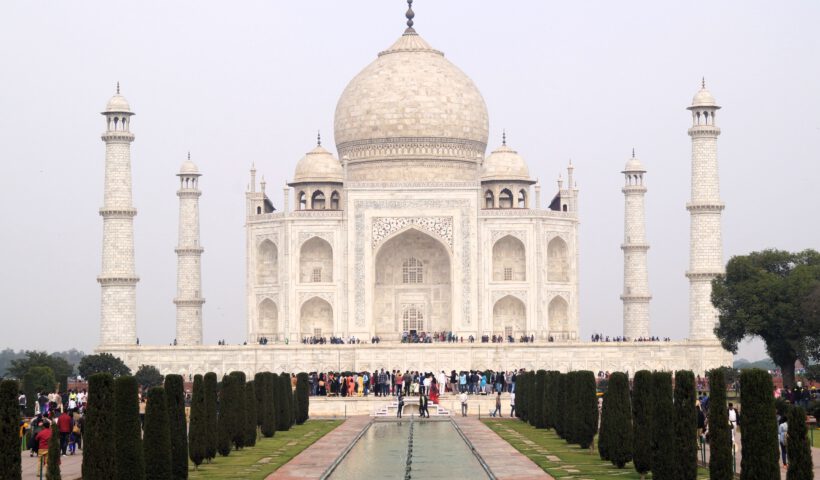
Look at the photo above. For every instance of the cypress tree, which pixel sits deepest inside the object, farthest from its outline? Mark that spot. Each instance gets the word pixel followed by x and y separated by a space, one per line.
pixel 259 391
pixel 250 418
pixel 521 396
pixel 98 438
pixel 686 425
pixel 619 426
pixel 239 411
pixel 553 390
pixel 759 442
pixel 604 428
pixel 53 470
pixel 549 387
pixel 129 464
pixel 197 433
pixel 223 436
pixel 586 422
pixel 561 405
pixel 537 402
pixel 664 458
pixel 530 397
pixel 798 449
pixel 177 425
pixel 10 464
pixel 283 400
pixel 268 407
pixel 571 424
pixel 720 436
pixel 211 418
pixel 302 398
pixel 642 422
pixel 157 435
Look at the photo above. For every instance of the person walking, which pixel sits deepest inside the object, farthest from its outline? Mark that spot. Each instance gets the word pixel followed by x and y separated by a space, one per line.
pixel 782 436
pixel 21 401
pixel 64 424
pixel 463 398
pixel 400 399
pixel 733 421
pixel 423 412
pixel 512 404
pixel 497 410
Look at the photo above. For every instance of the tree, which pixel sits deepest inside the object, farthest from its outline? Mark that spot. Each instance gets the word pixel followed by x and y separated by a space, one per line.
pixel 211 419
pixel 53 468
pixel 226 415
pixel 774 295
pixel 250 414
pixel 148 376
pixel 99 453
pixel 642 401
pixel 571 423
pixel 197 432
pixel 283 399
pixel 619 426
pixel 302 398
pixel 102 362
pixel 259 391
pixel 686 425
pixel 177 425
pixel 551 398
pixel 37 380
pixel 268 406
pixel 521 395
pixel 759 442
pixel 798 449
pixel 237 404
pixel 129 462
pixel 537 400
pixel 561 405
pixel 157 444
pixel 59 366
pixel 720 437
pixel 10 465
pixel 664 459
pixel 586 418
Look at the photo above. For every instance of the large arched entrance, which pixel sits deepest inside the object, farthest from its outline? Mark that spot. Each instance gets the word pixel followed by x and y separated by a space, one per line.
pixel 509 317
pixel 413 288
pixel 316 318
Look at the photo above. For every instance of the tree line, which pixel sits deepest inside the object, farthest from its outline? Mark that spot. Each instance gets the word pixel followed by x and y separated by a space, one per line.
pixel 654 424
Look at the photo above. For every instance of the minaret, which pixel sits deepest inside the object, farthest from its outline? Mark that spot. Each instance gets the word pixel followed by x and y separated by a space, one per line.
pixel 705 207
pixel 118 322
pixel 189 272
pixel 636 295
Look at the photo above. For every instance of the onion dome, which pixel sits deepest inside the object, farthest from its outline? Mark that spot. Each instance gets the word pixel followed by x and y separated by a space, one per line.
pixel 188 167
pixel 117 103
pixel 318 166
pixel 504 163
pixel 703 98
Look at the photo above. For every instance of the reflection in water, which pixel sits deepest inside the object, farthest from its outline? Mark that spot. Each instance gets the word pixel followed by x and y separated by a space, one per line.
pixel 438 452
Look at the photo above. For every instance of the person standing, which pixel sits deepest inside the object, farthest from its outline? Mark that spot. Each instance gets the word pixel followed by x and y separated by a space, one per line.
pixel 782 436
pixel 733 421
pixel 463 398
pixel 400 399
pixel 423 412
pixel 21 401
pixel 65 424
pixel 512 404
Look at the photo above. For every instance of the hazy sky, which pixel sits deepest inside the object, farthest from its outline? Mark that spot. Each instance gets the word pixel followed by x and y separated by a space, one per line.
pixel 252 81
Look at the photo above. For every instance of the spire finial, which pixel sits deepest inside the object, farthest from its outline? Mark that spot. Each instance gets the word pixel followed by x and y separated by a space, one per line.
pixel 504 137
pixel 318 138
pixel 633 152
pixel 702 82
pixel 189 155
pixel 118 87
pixel 410 14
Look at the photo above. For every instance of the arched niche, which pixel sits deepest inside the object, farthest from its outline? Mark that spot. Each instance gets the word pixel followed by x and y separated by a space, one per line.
pixel 267 263
pixel 557 260
pixel 316 318
pixel 509 317
pixel 316 261
pixel 509 260
pixel 558 315
pixel 268 318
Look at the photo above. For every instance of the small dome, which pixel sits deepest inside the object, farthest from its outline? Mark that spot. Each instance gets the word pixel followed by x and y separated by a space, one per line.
pixel 704 99
pixel 318 165
pixel 117 104
pixel 504 163
pixel 634 165
pixel 188 168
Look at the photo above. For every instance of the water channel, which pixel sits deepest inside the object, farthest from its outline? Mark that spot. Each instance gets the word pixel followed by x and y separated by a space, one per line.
pixel 435 449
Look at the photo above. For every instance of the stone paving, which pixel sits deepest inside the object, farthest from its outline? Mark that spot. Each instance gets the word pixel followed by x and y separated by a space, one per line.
pixel 70 466
pixel 315 460
pixel 815 457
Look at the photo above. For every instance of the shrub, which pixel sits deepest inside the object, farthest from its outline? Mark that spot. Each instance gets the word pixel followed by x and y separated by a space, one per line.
pixel 10 464
pixel 239 411
pixel 664 458
pixel 98 437
pixel 259 392
pixel 53 469
pixel 521 395
pixel 177 425
pixel 561 405
pixel 720 437
pixel 268 406
pixel 197 431
pixel 129 462
pixel 284 397
pixel 797 447
pixel 686 425
pixel 302 398
pixel 537 399
pixel 250 414
pixel 211 417
pixel 586 416
pixel 642 422
pixel 551 398
pixel 157 436
pixel 224 435
pixel 759 442
pixel 619 426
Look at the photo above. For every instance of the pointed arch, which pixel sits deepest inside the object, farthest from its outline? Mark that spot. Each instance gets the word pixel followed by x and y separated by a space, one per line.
pixel 509 260
pixel 316 318
pixel 509 316
pixel 268 318
pixel 557 260
pixel 267 263
pixel 334 200
pixel 489 199
pixel 316 261
pixel 317 200
pixel 505 199
pixel 558 316
pixel 522 198
pixel 302 199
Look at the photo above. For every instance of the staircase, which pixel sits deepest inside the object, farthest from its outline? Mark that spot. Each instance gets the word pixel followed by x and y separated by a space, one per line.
pixel 390 409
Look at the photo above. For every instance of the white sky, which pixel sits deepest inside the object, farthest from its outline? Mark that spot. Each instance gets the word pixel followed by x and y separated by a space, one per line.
pixel 238 82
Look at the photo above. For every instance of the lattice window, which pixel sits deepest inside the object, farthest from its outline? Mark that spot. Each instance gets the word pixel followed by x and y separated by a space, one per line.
pixel 317 332
pixel 507 331
pixel 412 319
pixel 317 274
pixel 412 271
pixel 508 276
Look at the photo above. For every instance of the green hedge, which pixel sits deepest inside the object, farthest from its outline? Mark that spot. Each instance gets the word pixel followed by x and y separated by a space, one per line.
pixel 720 435
pixel 664 457
pixel 302 398
pixel 686 425
pixel 99 452
pixel 759 441
pixel 157 436
pixel 211 389
pixel 177 425
pixel 129 462
pixel 10 464
pixel 642 421
pixel 197 429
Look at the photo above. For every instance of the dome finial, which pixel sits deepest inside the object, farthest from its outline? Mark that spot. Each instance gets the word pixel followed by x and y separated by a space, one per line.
pixel 702 82
pixel 633 152
pixel 318 138
pixel 189 155
pixel 504 137
pixel 118 87
pixel 410 14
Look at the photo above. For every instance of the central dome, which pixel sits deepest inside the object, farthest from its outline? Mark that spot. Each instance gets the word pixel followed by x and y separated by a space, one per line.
pixel 411 102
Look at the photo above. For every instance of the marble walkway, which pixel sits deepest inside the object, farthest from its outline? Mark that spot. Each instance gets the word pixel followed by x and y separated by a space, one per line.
pixel 70 466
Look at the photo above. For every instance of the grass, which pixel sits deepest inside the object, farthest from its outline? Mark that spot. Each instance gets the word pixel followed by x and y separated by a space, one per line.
pixel 560 459
pixel 268 455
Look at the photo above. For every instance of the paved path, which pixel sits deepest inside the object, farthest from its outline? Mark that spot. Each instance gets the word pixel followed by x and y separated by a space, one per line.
pixel 70 468
pixel 815 457
pixel 315 460
pixel 504 460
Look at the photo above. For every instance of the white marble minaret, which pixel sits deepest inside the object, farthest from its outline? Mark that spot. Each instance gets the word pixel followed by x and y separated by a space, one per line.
pixel 189 272
pixel 118 323
pixel 705 207
pixel 636 295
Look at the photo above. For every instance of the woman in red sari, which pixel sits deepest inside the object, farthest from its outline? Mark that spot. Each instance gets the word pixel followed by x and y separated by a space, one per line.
pixel 434 391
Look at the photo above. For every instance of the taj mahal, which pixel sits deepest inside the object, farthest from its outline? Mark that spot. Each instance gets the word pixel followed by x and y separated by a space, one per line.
pixel 410 228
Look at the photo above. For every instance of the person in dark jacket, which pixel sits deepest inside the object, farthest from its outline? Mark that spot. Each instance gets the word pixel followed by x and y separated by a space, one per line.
pixel 64 424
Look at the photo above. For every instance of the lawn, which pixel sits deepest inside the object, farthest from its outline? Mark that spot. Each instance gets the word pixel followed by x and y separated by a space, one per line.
pixel 268 455
pixel 558 458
